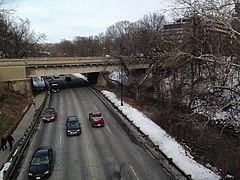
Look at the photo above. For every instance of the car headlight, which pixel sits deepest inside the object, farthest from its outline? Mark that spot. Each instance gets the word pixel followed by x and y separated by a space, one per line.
pixel 46 172
pixel 68 131
pixel 30 174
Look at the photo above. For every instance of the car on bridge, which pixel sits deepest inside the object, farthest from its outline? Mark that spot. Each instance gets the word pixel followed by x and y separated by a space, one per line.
pixel 73 126
pixel 49 114
pixel 41 163
pixel 96 119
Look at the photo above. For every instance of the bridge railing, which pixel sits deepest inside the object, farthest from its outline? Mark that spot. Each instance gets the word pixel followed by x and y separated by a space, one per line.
pixel 19 69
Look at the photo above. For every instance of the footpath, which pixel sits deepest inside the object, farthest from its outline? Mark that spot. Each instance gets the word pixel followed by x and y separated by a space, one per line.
pixel 21 128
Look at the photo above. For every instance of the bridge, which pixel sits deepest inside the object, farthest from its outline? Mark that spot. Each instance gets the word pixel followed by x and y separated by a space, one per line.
pixel 20 69
pixel 18 72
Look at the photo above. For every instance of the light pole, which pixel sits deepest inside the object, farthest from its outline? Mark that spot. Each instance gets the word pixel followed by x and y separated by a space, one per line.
pixel 121 82
pixel 121 90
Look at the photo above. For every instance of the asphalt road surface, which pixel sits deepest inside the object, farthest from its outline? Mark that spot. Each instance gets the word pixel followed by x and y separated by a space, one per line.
pixel 99 153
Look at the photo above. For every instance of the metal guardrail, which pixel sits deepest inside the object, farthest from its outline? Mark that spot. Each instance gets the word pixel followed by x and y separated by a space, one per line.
pixel 166 162
pixel 22 144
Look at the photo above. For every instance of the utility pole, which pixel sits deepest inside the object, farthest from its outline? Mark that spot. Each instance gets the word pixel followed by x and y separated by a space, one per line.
pixel 121 81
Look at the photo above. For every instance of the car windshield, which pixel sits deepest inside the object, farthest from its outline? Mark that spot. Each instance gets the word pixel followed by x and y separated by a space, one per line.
pixel 40 160
pixel 49 113
pixel 55 85
pixel 96 115
pixel 72 123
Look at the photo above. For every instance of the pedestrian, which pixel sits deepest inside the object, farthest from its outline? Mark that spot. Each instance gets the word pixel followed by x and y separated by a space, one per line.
pixel 10 140
pixel 4 142
pixel 34 103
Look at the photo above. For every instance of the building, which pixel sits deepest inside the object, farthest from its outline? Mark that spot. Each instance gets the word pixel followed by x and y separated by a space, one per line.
pixel 236 18
pixel 175 31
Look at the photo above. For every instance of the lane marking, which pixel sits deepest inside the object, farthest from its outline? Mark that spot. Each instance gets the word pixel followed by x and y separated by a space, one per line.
pixel 108 128
pixel 60 138
pixel 134 172
pixel 61 100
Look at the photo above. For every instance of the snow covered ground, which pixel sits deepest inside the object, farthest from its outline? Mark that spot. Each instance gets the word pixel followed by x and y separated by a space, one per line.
pixel 166 143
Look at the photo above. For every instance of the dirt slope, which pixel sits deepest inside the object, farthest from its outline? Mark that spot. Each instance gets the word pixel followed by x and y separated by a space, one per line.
pixel 12 108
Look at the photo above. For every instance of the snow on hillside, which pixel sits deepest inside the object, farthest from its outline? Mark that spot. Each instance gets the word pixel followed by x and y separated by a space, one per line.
pixel 166 143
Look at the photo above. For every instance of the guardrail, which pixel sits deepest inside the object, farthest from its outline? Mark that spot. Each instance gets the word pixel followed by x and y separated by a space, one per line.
pixel 166 162
pixel 22 144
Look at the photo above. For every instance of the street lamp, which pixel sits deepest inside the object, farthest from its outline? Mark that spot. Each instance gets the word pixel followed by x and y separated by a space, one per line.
pixel 121 94
pixel 121 81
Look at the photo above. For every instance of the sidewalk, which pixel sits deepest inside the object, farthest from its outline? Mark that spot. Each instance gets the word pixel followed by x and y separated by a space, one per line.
pixel 22 126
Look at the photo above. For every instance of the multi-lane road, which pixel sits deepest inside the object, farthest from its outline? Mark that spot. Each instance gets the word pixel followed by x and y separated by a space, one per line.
pixel 102 153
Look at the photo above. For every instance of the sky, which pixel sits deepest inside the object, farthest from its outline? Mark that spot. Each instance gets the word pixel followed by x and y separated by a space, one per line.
pixel 66 19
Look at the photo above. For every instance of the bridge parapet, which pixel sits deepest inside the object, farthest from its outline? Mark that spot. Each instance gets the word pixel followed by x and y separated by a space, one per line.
pixel 18 69
pixel 12 70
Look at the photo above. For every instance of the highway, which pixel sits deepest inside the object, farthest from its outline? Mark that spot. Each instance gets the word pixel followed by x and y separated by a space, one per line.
pixel 99 153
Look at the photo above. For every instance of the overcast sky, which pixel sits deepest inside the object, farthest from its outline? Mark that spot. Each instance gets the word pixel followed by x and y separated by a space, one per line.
pixel 66 19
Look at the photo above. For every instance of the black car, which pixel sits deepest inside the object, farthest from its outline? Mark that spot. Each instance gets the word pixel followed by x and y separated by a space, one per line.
pixel 54 87
pixel 73 126
pixel 68 78
pixel 41 163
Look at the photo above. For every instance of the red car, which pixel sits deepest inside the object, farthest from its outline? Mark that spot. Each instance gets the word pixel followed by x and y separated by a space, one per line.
pixel 96 119
pixel 49 115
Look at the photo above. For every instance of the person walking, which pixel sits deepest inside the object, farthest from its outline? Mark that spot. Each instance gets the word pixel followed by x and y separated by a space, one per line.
pixel 10 140
pixel 4 142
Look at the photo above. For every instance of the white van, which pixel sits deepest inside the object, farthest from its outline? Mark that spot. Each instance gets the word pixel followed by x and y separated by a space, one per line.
pixel 38 83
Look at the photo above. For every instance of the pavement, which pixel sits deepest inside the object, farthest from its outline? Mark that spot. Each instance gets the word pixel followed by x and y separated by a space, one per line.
pixel 22 126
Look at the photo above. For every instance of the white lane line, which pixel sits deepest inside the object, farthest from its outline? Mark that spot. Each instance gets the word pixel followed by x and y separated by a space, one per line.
pixel 134 172
pixel 108 128
pixel 60 138
pixel 61 111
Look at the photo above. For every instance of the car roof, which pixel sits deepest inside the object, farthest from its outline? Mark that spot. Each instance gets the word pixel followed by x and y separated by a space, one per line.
pixel 72 118
pixel 53 81
pixel 50 109
pixel 42 151
pixel 96 112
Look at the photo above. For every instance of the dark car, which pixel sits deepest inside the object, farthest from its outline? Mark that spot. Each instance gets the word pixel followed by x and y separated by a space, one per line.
pixel 56 76
pixel 68 78
pixel 73 126
pixel 96 119
pixel 54 87
pixel 41 163
pixel 49 114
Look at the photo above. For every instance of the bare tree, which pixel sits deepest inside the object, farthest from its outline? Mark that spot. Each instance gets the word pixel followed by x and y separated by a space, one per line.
pixel 120 34
pixel 203 70
pixel 17 40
